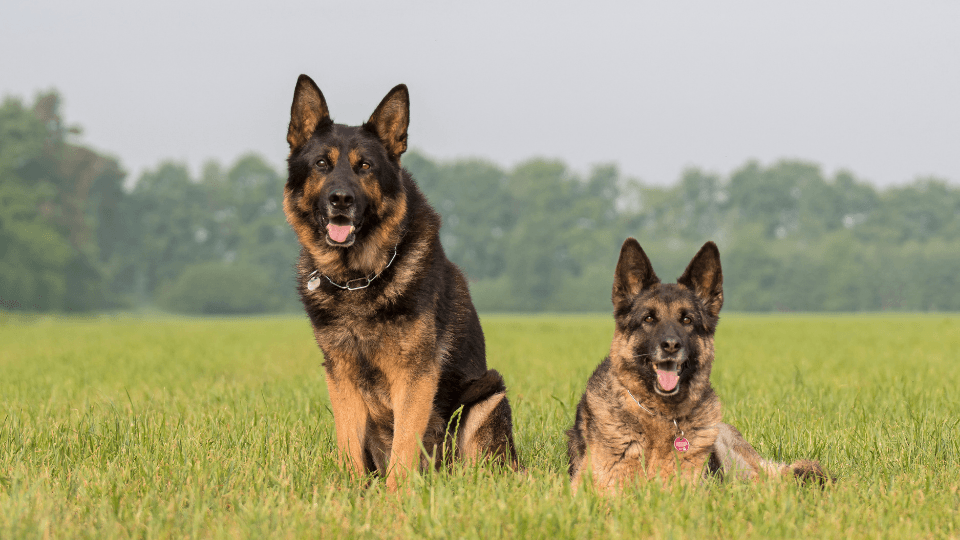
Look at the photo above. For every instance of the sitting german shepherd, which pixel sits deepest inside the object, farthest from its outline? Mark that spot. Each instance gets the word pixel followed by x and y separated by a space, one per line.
pixel 401 340
pixel 649 409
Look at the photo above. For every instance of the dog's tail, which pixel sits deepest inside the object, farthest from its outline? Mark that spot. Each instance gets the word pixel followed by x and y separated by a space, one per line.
pixel 733 457
pixel 487 422
pixel 807 471
pixel 482 387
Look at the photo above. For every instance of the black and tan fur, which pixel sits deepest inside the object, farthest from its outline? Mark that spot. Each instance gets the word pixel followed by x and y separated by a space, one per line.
pixel 405 353
pixel 662 330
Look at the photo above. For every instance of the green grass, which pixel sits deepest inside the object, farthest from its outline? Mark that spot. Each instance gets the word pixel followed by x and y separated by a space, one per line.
pixel 172 428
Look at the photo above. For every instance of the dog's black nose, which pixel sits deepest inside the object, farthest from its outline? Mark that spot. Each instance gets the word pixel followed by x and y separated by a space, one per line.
pixel 670 345
pixel 341 199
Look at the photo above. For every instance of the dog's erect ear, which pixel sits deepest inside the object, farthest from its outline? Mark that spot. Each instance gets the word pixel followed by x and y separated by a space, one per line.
pixel 704 277
pixel 309 111
pixel 634 273
pixel 391 119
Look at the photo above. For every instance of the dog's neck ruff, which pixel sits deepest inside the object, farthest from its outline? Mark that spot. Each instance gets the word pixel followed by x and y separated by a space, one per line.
pixel 313 280
pixel 680 443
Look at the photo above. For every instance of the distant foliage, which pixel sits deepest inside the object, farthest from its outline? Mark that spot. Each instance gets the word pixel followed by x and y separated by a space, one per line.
pixel 537 237
pixel 790 238
pixel 220 288
pixel 181 231
pixel 59 212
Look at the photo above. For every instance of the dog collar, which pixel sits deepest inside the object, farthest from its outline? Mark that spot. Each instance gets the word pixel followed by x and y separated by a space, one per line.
pixel 313 281
pixel 680 443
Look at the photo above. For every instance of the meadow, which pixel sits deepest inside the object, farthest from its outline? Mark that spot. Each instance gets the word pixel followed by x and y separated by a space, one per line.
pixel 126 427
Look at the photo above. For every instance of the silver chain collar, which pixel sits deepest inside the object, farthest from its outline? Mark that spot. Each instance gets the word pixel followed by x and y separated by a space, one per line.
pixel 313 280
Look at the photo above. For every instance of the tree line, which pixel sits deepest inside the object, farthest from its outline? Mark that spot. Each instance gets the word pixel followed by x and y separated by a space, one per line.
pixel 534 237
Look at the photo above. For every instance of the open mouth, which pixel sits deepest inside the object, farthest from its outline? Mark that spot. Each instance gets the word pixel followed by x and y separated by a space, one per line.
pixel 668 377
pixel 341 232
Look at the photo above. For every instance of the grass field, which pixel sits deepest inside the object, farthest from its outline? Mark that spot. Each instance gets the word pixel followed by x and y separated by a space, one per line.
pixel 172 428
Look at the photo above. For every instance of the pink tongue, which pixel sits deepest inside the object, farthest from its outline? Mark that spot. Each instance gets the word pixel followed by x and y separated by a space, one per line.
pixel 339 233
pixel 667 379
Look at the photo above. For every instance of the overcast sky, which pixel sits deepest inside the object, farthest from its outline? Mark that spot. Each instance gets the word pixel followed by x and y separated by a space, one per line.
pixel 865 85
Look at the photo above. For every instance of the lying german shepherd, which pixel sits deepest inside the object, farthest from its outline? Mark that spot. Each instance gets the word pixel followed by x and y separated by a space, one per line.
pixel 401 340
pixel 649 409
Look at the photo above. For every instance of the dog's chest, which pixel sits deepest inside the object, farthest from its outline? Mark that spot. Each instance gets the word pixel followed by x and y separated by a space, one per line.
pixel 654 454
pixel 654 446
pixel 369 355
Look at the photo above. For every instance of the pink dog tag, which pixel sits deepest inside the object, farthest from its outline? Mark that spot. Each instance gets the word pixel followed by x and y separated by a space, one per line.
pixel 681 444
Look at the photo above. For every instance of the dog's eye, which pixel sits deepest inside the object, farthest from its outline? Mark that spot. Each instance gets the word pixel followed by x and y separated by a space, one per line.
pixel 649 319
pixel 364 165
pixel 321 163
pixel 686 320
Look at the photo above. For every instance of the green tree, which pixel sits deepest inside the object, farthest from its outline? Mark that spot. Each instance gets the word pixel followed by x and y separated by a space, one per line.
pixel 58 208
pixel 33 252
pixel 182 231
pixel 477 209
pixel 218 288
pixel 163 215
pixel 250 228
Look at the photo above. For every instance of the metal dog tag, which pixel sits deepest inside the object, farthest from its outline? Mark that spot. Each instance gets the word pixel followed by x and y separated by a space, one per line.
pixel 313 283
pixel 681 444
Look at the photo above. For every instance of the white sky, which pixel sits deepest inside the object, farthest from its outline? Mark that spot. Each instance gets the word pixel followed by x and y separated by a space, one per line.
pixel 870 86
